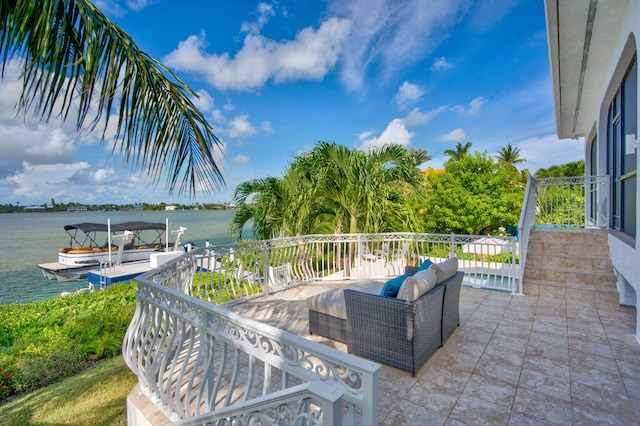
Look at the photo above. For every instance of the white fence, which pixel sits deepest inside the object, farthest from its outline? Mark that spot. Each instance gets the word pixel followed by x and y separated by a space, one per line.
pixel 572 202
pixel 202 364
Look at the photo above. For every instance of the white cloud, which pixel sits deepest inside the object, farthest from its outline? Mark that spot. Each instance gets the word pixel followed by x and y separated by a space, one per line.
pixel 472 109
pixel 44 181
pixel 241 159
pixel 266 127
pixel 408 94
pixel 391 33
pixel 310 56
pixel 415 117
pixel 204 102
pixel 548 150
pixel 395 133
pixel 137 5
pixel 229 106
pixel 240 127
pixel 264 11
pixel 456 135
pixel 441 64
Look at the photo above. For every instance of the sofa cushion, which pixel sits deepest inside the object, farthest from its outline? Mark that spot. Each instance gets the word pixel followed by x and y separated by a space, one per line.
pixel 391 287
pixel 425 265
pixel 445 270
pixel 417 285
pixel 332 302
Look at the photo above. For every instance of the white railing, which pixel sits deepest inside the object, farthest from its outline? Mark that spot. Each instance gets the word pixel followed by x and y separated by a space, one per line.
pixel 240 271
pixel 571 202
pixel 200 362
pixel 196 360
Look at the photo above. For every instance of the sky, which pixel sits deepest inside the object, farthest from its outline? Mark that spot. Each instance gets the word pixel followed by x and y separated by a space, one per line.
pixel 273 78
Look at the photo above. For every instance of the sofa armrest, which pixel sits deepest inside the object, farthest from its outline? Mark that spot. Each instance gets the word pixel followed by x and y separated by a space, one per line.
pixel 451 305
pixel 392 331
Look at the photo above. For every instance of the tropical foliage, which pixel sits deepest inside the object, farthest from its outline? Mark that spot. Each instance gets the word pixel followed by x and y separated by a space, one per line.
pixel 459 153
pixel 76 60
pixel 42 342
pixel 332 189
pixel 574 168
pixel 474 196
pixel 509 156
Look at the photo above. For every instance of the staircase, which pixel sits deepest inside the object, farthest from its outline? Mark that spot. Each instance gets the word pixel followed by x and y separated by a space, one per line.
pixel 574 265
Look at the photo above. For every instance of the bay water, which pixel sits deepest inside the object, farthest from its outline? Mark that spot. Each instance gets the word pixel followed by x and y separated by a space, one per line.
pixel 27 239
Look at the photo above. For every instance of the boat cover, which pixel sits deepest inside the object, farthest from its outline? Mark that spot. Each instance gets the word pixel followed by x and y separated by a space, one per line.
pixel 115 227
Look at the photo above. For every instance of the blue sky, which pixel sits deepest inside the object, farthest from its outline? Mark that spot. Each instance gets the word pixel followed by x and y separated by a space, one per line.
pixel 276 77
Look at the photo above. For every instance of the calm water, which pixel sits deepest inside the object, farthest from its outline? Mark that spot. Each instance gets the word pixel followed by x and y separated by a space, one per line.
pixel 27 239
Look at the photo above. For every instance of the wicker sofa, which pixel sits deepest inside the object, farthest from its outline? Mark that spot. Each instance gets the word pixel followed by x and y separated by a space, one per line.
pixel 394 331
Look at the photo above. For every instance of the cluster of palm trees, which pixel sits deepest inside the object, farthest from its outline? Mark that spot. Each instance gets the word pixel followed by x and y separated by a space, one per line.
pixel 508 156
pixel 333 189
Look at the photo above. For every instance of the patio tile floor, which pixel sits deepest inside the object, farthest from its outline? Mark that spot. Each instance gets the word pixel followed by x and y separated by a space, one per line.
pixel 514 360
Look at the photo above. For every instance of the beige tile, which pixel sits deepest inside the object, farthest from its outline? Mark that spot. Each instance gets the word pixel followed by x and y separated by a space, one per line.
pixel 491 390
pixel 521 419
pixel 599 399
pixel 633 393
pixel 581 296
pixel 408 413
pixel 548 366
pixel 505 356
pixel 628 369
pixel 435 397
pixel 552 291
pixel 531 289
pixel 592 375
pixel 584 415
pixel 546 384
pixel 553 275
pixel 594 348
pixel 474 411
pixel 498 370
pixel 546 407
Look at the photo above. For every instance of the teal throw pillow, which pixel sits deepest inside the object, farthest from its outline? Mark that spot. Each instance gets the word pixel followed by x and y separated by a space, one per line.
pixel 391 287
pixel 425 265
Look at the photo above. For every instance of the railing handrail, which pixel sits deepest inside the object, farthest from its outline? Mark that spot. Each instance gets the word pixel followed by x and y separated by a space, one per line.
pixel 327 397
pixel 307 360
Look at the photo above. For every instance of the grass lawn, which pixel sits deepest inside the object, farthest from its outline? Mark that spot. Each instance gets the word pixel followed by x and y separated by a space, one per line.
pixel 96 396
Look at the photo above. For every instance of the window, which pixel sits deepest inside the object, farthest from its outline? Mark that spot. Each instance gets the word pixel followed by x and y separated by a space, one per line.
pixel 621 153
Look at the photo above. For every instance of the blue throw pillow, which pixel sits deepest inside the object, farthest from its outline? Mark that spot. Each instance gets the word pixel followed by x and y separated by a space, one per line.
pixel 391 287
pixel 425 265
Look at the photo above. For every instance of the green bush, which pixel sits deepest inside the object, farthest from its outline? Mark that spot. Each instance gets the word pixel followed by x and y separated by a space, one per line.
pixel 45 341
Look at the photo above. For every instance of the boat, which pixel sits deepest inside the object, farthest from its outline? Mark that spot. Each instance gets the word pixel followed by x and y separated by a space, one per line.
pixel 93 245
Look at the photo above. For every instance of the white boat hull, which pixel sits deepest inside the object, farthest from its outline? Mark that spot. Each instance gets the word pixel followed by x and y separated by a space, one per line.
pixel 95 258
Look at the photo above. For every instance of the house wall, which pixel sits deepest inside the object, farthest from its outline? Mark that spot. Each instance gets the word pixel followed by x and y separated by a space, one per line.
pixel 625 253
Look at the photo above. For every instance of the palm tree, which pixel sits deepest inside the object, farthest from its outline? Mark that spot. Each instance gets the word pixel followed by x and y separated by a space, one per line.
pixel 509 156
pixel 420 156
pixel 75 59
pixel 273 205
pixel 459 153
pixel 359 188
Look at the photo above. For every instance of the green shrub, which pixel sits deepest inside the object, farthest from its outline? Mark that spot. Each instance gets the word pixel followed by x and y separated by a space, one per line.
pixel 42 342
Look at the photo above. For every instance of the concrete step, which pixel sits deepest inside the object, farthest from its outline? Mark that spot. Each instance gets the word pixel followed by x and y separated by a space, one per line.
pixel 564 263
pixel 570 264
pixel 576 236
pixel 576 279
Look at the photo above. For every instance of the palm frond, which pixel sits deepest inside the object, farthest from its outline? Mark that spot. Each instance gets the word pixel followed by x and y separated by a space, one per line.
pixel 75 59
